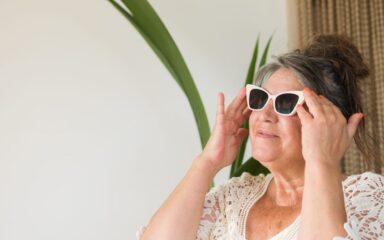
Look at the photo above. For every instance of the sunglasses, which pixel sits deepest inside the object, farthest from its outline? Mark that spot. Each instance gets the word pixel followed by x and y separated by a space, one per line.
pixel 284 103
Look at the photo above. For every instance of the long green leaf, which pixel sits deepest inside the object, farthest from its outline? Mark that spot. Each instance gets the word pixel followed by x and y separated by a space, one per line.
pixel 265 53
pixel 158 52
pixel 250 76
pixel 252 65
pixel 251 166
pixel 144 18
pixel 240 155
pixel 150 23
pixel 251 70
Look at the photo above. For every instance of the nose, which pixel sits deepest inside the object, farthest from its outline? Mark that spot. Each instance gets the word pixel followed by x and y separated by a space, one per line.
pixel 268 113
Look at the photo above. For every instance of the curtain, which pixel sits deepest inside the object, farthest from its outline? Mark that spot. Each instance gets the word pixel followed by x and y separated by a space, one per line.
pixel 363 22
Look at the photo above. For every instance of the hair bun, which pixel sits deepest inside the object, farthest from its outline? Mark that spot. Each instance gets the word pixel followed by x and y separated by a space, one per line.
pixel 343 54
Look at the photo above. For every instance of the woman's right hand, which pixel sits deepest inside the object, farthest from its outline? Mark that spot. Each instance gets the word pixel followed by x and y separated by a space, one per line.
pixel 227 134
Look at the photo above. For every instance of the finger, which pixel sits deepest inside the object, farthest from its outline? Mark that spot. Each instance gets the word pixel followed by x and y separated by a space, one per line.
pixel 243 105
pixel 238 111
pixel 244 116
pixel 325 100
pixel 220 108
pixel 239 98
pixel 241 134
pixel 328 107
pixel 239 119
pixel 239 116
pixel 305 117
pixel 328 102
pixel 312 101
pixel 220 103
pixel 246 110
pixel 353 123
pixel 332 112
pixel 235 104
pixel 246 113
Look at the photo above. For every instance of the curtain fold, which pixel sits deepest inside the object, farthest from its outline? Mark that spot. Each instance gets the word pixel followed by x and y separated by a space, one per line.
pixel 363 22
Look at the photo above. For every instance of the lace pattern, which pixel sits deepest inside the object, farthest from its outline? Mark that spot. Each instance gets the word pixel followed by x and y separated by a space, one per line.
pixel 226 208
pixel 229 203
pixel 364 203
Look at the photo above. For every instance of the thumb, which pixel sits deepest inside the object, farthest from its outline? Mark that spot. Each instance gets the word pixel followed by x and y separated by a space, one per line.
pixel 353 122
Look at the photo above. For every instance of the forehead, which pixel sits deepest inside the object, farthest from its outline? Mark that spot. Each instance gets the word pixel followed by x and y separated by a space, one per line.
pixel 282 80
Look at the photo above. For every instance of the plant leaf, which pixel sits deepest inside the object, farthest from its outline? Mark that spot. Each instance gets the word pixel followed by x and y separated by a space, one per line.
pixel 252 65
pixel 251 166
pixel 249 79
pixel 250 74
pixel 265 53
pixel 243 146
pixel 158 52
pixel 144 18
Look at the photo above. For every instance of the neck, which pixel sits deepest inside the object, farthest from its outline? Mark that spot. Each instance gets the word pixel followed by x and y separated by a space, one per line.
pixel 287 190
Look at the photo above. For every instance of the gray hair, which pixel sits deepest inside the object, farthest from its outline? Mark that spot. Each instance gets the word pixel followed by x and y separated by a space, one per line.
pixel 315 73
pixel 330 77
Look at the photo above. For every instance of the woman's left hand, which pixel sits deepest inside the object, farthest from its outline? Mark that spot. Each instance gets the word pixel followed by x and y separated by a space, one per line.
pixel 326 134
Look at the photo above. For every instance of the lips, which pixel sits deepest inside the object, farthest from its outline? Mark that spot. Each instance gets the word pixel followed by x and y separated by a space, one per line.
pixel 265 134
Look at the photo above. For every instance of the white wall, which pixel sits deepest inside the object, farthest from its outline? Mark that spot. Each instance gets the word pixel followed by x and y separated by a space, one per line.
pixel 94 133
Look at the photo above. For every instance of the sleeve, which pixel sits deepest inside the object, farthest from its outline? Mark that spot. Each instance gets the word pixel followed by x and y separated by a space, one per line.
pixel 364 200
pixel 223 203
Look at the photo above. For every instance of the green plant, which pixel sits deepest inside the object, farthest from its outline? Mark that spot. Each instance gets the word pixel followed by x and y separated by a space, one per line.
pixel 251 166
pixel 146 21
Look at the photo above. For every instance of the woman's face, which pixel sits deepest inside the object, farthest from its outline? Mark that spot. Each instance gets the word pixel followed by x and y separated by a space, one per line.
pixel 275 139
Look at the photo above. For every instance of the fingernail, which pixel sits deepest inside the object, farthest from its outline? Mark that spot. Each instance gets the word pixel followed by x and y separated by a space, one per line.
pixel 361 115
pixel 321 96
pixel 307 89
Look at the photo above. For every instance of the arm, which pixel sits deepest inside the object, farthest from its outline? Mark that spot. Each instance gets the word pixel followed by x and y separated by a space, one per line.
pixel 323 213
pixel 326 136
pixel 179 216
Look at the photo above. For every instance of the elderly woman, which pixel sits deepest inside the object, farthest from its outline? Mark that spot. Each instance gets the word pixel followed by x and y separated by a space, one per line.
pixel 304 111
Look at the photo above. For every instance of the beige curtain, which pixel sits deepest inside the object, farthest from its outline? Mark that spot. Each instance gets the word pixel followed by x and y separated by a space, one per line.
pixel 363 22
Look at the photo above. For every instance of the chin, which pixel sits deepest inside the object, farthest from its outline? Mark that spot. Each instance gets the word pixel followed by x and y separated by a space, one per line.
pixel 264 156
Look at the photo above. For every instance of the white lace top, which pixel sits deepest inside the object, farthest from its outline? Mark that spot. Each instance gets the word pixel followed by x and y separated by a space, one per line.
pixel 226 208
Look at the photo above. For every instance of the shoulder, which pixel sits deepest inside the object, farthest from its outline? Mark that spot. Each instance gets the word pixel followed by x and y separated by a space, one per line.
pixel 364 204
pixel 368 181
pixel 245 184
pixel 247 180
pixel 363 191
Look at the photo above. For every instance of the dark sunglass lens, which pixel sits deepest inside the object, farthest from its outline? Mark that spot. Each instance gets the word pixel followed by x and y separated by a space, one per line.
pixel 257 98
pixel 285 103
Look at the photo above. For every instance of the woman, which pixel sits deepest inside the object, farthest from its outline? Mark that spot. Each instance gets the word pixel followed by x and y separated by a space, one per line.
pixel 304 111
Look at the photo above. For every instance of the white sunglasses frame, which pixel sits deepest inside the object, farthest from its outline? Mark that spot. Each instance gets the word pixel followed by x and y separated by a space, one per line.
pixel 300 94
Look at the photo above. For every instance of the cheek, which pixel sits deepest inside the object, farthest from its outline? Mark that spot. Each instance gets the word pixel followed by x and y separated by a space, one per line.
pixel 252 124
pixel 252 117
pixel 291 130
